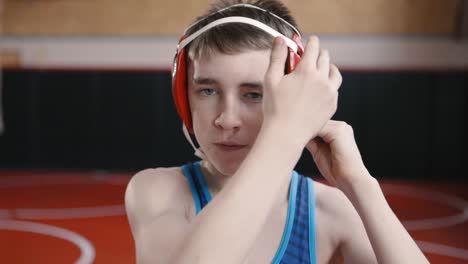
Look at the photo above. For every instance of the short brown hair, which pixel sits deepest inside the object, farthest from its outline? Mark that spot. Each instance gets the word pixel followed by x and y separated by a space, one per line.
pixel 235 37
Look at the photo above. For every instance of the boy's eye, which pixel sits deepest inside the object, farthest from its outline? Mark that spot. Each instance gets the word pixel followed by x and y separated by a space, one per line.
pixel 207 91
pixel 254 96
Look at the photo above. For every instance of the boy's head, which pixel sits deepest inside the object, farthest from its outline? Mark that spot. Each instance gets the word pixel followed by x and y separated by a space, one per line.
pixel 253 27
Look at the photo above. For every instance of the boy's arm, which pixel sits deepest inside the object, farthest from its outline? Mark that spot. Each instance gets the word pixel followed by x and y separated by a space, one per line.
pixel 156 213
pixel 389 239
pixel 340 162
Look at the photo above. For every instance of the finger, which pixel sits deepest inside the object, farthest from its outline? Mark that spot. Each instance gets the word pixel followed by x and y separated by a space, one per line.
pixel 335 76
pixel 313 146
pixel 323 62
pixel 321 154
pixel 277 62
pixel 334 129
pixel 326 132
pixel 311 52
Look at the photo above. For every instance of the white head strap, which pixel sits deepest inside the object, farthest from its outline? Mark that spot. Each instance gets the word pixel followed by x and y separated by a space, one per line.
pixel 243 5
pixel 237 19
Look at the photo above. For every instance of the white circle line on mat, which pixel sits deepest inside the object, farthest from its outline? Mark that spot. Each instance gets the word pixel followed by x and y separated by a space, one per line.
pixel 61 213
pixel 17 183
pixel 4 214
pixel 443 250
pixel 69 213
pixel 88 252
pixel 431 223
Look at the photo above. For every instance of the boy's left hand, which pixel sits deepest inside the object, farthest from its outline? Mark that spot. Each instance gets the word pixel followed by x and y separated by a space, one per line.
pixel 337 156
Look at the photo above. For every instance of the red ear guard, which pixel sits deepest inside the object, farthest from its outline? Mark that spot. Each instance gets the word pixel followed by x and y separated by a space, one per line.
pixel 179 78
pixel 179 87
pixel 293 57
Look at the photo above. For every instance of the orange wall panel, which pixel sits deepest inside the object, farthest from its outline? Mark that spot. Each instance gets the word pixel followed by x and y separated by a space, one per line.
pixel 153 17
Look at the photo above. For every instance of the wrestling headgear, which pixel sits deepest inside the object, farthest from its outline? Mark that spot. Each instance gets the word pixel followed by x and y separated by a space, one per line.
pixel 179 70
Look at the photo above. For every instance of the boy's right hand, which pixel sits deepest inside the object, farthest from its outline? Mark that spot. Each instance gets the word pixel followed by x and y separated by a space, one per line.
pixel 301 102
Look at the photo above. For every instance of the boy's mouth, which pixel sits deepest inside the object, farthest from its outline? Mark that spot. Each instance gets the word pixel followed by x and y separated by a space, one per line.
pixel 229 146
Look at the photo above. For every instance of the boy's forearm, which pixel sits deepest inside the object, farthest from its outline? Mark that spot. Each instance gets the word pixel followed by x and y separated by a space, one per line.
pixel 390 240
pixel 227 228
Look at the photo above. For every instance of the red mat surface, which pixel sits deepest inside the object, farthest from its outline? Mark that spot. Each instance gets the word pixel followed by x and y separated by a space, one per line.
pixel 79 217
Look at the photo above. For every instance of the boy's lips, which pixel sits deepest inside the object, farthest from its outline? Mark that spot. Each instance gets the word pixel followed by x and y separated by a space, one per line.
pixel 229 146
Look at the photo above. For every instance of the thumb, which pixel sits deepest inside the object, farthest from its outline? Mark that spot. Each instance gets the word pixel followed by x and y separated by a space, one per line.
pixel 313 146
pixel 277 62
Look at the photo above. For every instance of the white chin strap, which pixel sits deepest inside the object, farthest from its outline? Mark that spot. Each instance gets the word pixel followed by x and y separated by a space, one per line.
pixel 198 152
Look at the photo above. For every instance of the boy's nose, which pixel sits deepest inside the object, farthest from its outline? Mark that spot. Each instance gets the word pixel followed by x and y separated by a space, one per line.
pixel 229 118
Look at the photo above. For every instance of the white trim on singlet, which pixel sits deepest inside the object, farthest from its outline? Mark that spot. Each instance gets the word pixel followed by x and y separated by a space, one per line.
pixel 237 19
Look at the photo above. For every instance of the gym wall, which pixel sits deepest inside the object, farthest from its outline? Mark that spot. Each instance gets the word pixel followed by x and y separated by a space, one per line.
pixel 150 17
pixel 86 84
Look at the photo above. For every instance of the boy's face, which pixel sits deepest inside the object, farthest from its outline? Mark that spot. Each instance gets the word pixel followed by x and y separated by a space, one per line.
pixel 225 96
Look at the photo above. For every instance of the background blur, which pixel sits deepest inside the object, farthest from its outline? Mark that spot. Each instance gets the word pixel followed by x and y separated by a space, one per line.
pixel 85 102
pixel 86 84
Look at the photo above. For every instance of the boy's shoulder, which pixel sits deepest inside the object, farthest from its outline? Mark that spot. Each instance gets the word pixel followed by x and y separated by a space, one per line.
pixel 334 211
pixel 160 178
pixel 331 200
pixel 168 181
pixel 152 192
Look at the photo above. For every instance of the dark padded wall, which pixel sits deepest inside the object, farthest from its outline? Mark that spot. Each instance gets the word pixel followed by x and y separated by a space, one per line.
pixel 407 124
pixel 106 120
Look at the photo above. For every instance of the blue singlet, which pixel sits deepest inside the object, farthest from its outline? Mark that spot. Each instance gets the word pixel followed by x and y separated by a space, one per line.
pixel 298 242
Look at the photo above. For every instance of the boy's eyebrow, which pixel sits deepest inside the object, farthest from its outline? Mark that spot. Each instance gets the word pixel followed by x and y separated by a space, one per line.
pixel 252 84
pixel 210 81
pixel 204 81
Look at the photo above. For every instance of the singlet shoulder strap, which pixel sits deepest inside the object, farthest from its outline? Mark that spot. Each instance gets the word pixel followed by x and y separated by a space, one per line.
pixel 299 247
pixel 198 187
pixel 200 178
pixel 187 169
pixel 297 250
pixel 312 223
pixel 289 220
